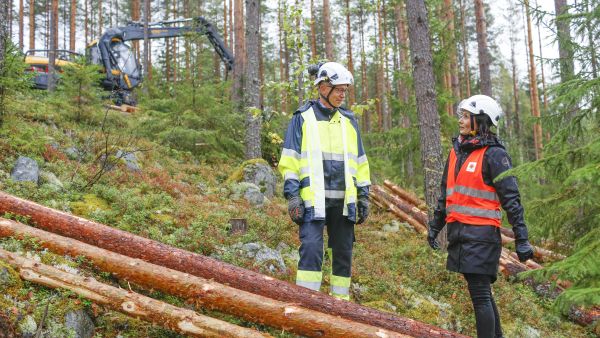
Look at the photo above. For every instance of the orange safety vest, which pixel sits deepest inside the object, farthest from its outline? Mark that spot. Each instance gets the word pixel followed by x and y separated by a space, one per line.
pixel 468 199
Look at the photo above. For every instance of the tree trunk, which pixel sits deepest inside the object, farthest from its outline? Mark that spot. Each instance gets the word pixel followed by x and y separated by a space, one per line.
pixel 147 72
pixel 31 24
pixel 238 69
pixel 313 33
pixel 364 80
pixel 86 22
pixel 592 48
pixel 535 102
pixel 282 74
pixel 351 89
pixel 72 26
pixel 565 51
pixel 4 34
pixel 136 17
pixel 225 29
pixel 100 17
pixel 482 49
pixel 427 111
pixel 53 46
pixel 451 44
pixel 515 93
pixel 21 26
pixel 130 303
pixel 542 65
pixel 404 62
pixel 463 33
pixel 379 78
pixel 252 83
pixel 385 102
pixel 204 292
pixel 329 52
pixel 154 252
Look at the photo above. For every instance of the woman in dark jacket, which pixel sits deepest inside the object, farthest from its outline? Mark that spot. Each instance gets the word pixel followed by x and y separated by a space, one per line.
pixel 469 205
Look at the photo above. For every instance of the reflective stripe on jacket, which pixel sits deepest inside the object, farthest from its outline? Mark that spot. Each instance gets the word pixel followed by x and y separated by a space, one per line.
pixel 294 162
pixel 468 199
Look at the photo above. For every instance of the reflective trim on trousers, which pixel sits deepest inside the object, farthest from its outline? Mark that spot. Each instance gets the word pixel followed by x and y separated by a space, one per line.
pixel 461 189
pixel 363 183
pixel 461 209
pixel 309 285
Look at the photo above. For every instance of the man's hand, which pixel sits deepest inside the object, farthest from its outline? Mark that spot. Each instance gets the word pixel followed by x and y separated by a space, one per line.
pixel 524 249
pixel 296 209
pixel 431 238
pixel 363 209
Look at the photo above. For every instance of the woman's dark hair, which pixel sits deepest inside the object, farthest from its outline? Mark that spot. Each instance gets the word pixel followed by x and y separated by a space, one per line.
pixel 484 123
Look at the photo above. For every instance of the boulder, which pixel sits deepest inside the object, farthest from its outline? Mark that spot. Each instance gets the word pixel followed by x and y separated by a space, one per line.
pixel 25 169
pixel 80 323
pixel 250 192
pixel 261 174
pixel 130 160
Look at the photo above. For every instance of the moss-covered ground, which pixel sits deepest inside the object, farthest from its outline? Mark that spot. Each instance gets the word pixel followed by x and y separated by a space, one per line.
pixel 181 197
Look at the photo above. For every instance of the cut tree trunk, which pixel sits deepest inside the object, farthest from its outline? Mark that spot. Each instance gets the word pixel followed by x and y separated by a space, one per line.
pixel 255 308
pixel 407 195
pixel 420 228
pixel 130 303
pixel 155 252
pixel 408 208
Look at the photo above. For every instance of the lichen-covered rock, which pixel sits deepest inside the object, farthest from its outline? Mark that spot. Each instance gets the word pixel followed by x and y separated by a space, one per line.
pixel 80 323
pixel 250 192
pixel 47 177
pixel 258 172
pixel 25 169
pixel 130 160
pixel 28 326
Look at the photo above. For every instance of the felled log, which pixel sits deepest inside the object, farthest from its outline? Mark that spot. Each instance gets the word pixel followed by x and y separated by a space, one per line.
pixel 158 253
pixel 408 196
pixel 130 303
pixel 510 266
pixel 406 207
pixel 255 308
pixel 539 253
pixel 585 316
pixel 420 228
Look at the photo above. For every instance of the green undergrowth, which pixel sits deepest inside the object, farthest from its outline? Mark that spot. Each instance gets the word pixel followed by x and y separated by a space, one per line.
pixel 182 197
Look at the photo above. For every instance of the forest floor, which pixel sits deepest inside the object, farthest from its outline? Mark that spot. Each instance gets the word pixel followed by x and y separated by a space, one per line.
pixel 186 201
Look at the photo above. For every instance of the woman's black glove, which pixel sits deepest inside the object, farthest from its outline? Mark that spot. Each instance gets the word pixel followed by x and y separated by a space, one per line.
pixel 296 209
pixel 363 209
pixel 524 249
pixel 431 238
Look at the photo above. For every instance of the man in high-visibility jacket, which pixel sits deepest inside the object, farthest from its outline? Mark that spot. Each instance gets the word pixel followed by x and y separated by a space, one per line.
pixel 327 180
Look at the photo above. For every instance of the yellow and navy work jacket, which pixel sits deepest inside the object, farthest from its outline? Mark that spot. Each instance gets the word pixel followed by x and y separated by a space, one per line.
pixel 294 163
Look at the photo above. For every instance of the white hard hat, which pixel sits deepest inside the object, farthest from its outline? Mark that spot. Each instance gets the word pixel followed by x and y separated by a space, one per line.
pixel 335 73
pixel 482 104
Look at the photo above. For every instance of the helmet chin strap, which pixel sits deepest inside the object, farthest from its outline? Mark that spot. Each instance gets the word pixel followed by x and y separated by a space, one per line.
pixel 473 132
pixel 326 98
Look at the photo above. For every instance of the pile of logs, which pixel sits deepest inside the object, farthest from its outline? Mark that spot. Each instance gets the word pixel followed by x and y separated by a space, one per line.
pixel 205 281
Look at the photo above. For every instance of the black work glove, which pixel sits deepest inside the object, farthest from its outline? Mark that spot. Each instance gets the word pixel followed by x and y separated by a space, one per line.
pixel 431 238
pixel 524 249
pixel 363 209
pixel 296 209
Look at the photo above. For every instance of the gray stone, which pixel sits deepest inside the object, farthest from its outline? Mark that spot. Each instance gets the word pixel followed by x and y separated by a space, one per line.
pixel 262 176
pixel 130 160
pixel 49 178
pixel 268 255
pixel 28 326
pixel 25 169
pixel 73 153
pixel 251 249
pixel 529 332
pixel 391 228
pixel 250 192
pixel 4 276
pixel 81 323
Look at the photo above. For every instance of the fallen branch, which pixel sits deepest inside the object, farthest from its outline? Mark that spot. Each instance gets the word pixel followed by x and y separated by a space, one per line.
pixel 158 253
pixel 133 304
pixel 255 308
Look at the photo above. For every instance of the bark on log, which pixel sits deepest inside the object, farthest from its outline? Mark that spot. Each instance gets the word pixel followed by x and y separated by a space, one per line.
pixel 255 308
pixel 408 208
pixel 407 195
pixel 130 303
pixel 135 246
pixel 420 228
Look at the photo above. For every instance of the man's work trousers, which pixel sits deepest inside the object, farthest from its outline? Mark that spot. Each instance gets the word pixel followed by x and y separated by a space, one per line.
pixel 341 239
